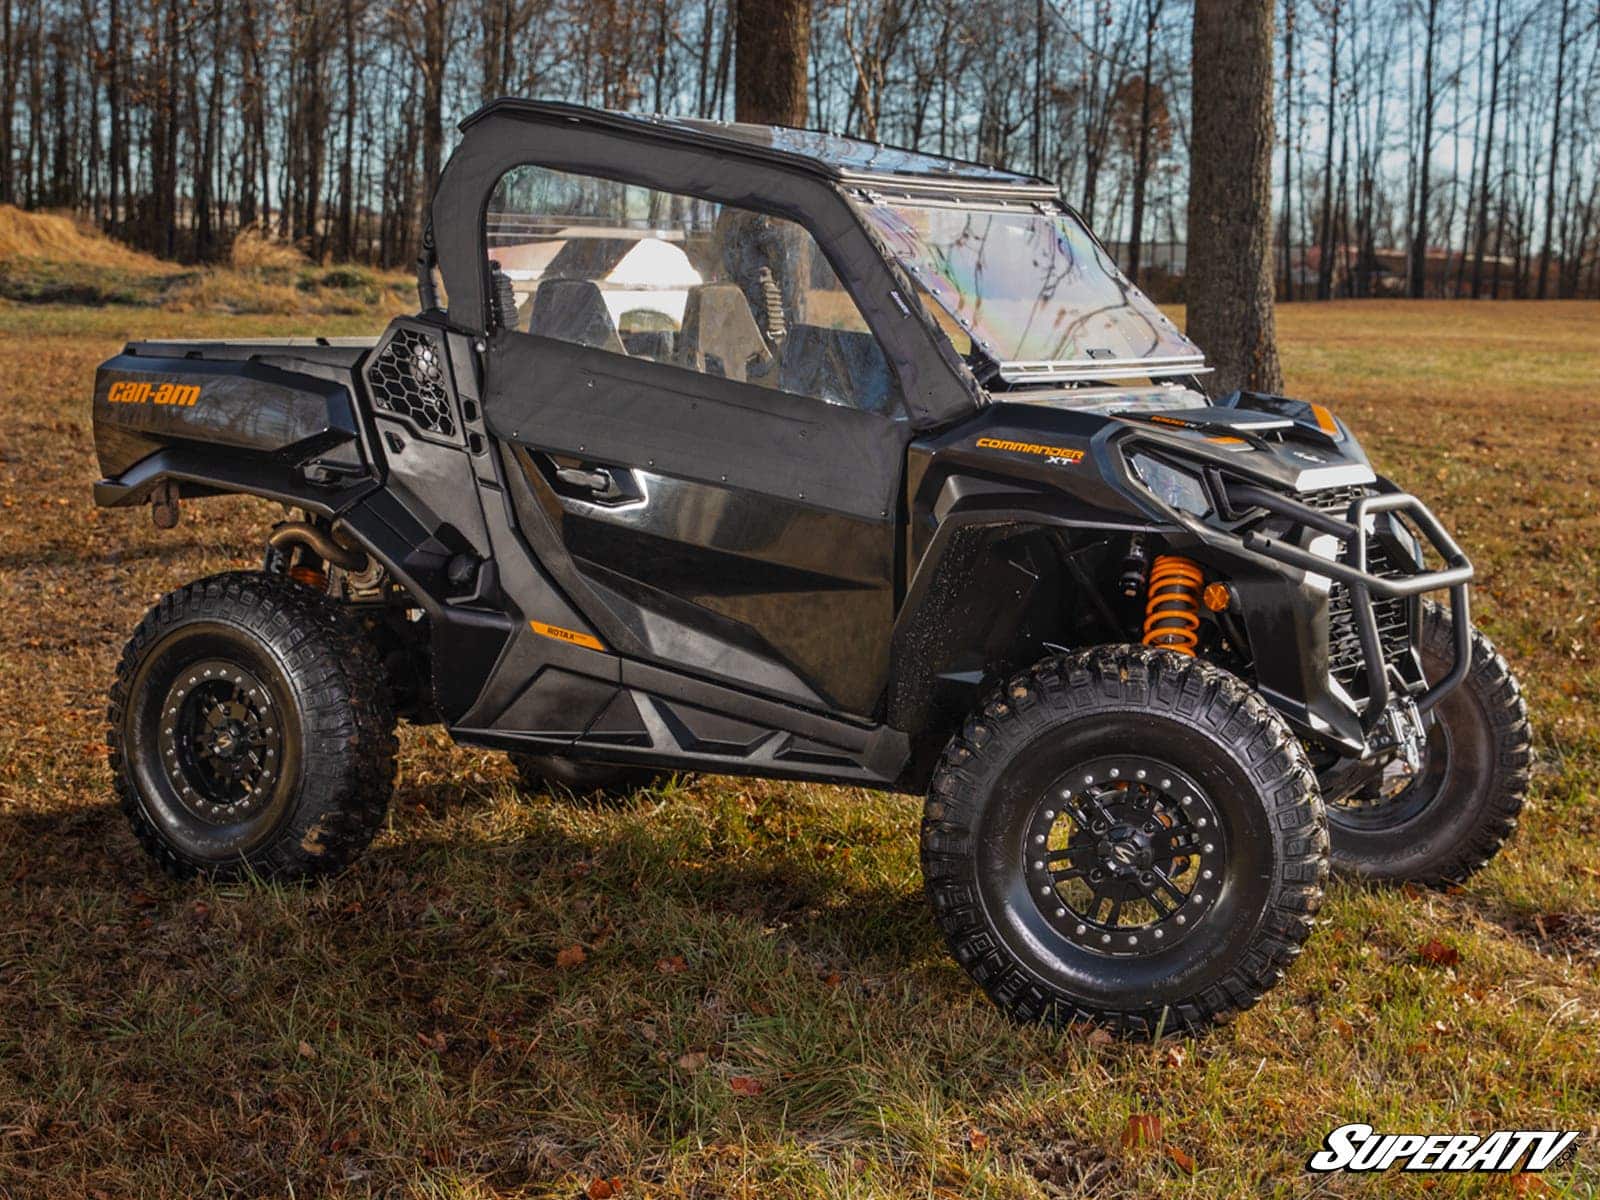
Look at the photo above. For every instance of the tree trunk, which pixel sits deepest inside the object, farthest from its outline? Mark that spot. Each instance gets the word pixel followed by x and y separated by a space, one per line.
pixel 347 228
pixel 1488 154
pixel 1419 235
pixel 1555 148
pixel 1230 306
pixel 1287 265
pixel 1141 166
pixel 8 101
pixel 1325 237
pixel 769 77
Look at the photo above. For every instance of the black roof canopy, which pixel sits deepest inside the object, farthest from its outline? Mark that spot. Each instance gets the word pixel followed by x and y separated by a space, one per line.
pixel 829 154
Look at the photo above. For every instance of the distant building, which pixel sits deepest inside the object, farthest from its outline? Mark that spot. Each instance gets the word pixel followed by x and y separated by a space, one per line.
pixel 1169 258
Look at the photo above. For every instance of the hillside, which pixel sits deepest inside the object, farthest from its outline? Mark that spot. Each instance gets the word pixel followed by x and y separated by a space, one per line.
pixel 48 258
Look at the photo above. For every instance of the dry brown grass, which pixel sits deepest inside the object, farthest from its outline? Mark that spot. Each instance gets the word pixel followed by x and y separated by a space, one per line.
pixel 255 250
pixel 406 1030
pixel 60 238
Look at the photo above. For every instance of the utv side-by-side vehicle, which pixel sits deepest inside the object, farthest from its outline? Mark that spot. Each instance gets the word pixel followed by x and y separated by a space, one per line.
pixel 757 451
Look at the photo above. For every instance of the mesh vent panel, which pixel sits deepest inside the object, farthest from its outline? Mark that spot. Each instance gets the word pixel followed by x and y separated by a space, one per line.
pixel 406 379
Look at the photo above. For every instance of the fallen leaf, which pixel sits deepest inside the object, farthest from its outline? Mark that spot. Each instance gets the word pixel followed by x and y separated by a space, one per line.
pixel 1100 1037
pixel 304 1050
pixel 1440 955
pixel 1342 1027
pixel 1185 1161
pixel 977 1140
pixel 744 1085
pixel 671 966
pixel 693 1060
pixel 603 1189
pixel 436 1043
pixel 1142 1129
pixel 1174 1057
pixel 570 956
pixel 832 979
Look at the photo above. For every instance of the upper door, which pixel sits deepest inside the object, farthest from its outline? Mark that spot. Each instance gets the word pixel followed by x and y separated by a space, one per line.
pixel 704 436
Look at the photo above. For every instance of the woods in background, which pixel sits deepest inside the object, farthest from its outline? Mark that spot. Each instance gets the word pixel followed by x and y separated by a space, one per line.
pixel 1425 147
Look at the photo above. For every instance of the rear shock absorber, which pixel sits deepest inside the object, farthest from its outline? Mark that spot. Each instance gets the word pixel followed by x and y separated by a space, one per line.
pixel 1172 607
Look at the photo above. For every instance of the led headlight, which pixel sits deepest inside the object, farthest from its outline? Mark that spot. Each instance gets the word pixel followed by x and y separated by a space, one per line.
pixel 1173 487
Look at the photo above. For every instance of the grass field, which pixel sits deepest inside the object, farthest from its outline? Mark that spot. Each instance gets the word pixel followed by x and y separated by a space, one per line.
pixel 762 1007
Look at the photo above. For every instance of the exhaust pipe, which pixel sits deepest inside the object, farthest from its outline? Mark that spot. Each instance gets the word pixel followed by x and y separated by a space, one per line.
pixel 324 545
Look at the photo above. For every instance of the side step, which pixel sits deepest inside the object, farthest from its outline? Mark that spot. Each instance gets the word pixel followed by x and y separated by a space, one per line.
pixel 663 719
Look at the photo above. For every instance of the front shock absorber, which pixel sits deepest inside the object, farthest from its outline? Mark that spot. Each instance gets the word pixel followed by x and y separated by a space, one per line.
pixel 1172 604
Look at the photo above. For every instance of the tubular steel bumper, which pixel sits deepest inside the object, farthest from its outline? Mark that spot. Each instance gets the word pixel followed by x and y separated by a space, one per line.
pixel 1351 530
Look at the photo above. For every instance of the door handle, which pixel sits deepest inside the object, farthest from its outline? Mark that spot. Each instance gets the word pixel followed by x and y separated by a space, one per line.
pixel 598 480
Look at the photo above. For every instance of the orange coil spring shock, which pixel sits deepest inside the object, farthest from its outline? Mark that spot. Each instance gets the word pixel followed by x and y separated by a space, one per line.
pixel 1172 607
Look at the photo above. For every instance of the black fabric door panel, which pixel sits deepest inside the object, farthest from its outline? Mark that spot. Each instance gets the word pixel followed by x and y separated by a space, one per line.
pixel 575 400
pixel 764 528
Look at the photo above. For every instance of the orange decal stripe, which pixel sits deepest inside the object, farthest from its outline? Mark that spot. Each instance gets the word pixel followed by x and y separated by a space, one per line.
pixel 570 636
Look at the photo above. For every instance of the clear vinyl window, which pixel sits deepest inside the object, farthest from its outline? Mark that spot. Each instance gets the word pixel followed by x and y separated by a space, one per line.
pixel 685 281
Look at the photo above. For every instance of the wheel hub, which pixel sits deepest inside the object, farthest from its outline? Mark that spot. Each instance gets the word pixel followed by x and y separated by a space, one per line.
pixel 221 741
pixel 1124 855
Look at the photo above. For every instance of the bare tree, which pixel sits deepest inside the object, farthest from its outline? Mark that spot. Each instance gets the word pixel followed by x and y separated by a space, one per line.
pixel 769 80
pixel 1230 302
pixel 1419 236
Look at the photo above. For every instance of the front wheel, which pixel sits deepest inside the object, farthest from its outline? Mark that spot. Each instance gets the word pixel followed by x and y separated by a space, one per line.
pixel 1453 816
pixel 1127 836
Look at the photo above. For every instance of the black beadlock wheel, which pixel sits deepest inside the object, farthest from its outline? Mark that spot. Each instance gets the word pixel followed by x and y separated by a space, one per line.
pixel 593 783
pixel 1453 816
pixel 1127 836
pixel 251 731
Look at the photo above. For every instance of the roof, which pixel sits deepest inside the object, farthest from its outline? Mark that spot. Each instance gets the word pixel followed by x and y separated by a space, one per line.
pixel 830 154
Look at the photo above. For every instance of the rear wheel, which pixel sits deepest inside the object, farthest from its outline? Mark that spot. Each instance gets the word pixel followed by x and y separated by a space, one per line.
pixel 250 731
pixel 602 783
pixel 1461 806
pixel 1127 836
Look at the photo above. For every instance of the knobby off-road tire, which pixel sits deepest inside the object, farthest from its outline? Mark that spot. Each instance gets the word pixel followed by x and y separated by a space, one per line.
pixel 1455 815
pixel 1193 777
pixel 251 731
pixel 591 783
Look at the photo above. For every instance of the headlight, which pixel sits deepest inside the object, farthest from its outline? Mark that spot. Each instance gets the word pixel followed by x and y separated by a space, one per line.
pixel 1173 487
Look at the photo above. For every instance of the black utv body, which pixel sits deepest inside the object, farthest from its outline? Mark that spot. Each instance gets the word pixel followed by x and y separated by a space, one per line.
pixel 761 451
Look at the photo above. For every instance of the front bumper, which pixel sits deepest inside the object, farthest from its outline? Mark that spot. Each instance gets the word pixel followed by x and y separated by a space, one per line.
pixel 1353 532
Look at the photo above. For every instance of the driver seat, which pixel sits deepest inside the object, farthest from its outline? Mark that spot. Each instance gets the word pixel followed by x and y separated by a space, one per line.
pixel 719 330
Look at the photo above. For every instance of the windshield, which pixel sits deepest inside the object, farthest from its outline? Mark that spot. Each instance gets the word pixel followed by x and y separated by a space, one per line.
pixel 1034 290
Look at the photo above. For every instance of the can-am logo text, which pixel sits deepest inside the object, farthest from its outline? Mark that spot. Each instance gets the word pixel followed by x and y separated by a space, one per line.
pixel 1361 1148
